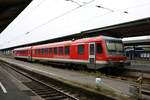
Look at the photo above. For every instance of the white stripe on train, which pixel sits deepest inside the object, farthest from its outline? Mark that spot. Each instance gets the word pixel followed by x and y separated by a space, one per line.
pixel 64 60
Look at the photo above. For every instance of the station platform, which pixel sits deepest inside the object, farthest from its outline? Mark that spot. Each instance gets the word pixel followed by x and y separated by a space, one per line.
pixel 9 90
pixel 139 65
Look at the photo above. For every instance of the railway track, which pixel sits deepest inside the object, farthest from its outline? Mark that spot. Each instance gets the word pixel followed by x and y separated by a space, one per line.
pixel 47 92
pixel 42 89
pixel 49 89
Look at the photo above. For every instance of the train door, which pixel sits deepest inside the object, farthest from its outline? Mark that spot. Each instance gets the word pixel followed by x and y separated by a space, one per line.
pixel 30 54
pixel 92 54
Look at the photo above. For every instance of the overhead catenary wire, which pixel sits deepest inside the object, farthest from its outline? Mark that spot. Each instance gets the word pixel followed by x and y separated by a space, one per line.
pixel 81 5
pixel 74 2
pixel 61 15
pixel 124 10
pixel 45 23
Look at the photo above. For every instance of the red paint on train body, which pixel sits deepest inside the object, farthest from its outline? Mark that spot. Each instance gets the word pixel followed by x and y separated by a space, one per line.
pixel 94 52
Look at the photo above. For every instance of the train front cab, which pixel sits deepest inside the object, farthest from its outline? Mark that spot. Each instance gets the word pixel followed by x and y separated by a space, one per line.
pixel 106 53
pixel 115 53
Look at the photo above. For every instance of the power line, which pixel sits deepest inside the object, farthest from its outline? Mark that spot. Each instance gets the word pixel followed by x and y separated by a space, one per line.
pixel 104 8
pixel 35 8
pixel 68 12
pixel 42 1
pixel 125 9
pixel 45 23
pixel 74 2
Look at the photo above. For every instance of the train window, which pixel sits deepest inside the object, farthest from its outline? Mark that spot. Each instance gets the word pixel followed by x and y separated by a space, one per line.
pixel 67 50
pixel 80 49
pixel 33 52
pixel 55 50
pixel 92 49
pixel 36 51
pixel 46 50
pixel 98 48
pixel 42 51
pixel 114 46
pixel 119 47
pixel 39 51
pixel 111 46
pixel 61 50
pixel 50 50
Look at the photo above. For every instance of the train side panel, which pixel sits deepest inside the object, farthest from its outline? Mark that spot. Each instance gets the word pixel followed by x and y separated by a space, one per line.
pixel 94 52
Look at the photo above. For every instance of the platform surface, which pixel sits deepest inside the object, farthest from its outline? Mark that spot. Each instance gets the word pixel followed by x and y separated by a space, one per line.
pixel 8 89
pixel 138 65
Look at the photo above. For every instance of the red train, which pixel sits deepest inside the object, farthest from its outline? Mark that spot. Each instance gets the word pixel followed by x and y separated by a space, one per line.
pixel 94 52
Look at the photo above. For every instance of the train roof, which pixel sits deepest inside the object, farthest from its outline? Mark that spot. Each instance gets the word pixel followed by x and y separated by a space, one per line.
pixel 93 39
pixel 23 48
pixel 67 43
pixel 64 43
pixel 111 38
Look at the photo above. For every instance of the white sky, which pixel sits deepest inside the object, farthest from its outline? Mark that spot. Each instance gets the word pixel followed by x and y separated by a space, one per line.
pixel 47 19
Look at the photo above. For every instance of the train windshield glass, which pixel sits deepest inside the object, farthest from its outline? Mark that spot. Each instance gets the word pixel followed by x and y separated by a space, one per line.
pixel 114 47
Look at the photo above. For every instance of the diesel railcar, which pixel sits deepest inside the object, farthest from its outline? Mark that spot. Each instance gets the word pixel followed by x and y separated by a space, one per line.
pixel 93 52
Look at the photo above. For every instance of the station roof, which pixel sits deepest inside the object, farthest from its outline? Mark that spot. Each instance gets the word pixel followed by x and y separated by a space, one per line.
pixel 12 8
pixel 129 29
pixel 9 10
pixel 137 42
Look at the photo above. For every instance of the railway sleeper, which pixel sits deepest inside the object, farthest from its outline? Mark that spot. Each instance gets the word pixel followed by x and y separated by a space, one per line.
pixel 39 89
pixel 50 95
pixel 32 84
pixel 56 97
pixel 41 93
pixel 44 90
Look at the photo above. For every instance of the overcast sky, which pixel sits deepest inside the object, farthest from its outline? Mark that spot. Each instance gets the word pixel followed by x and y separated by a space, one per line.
pixel 47 19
